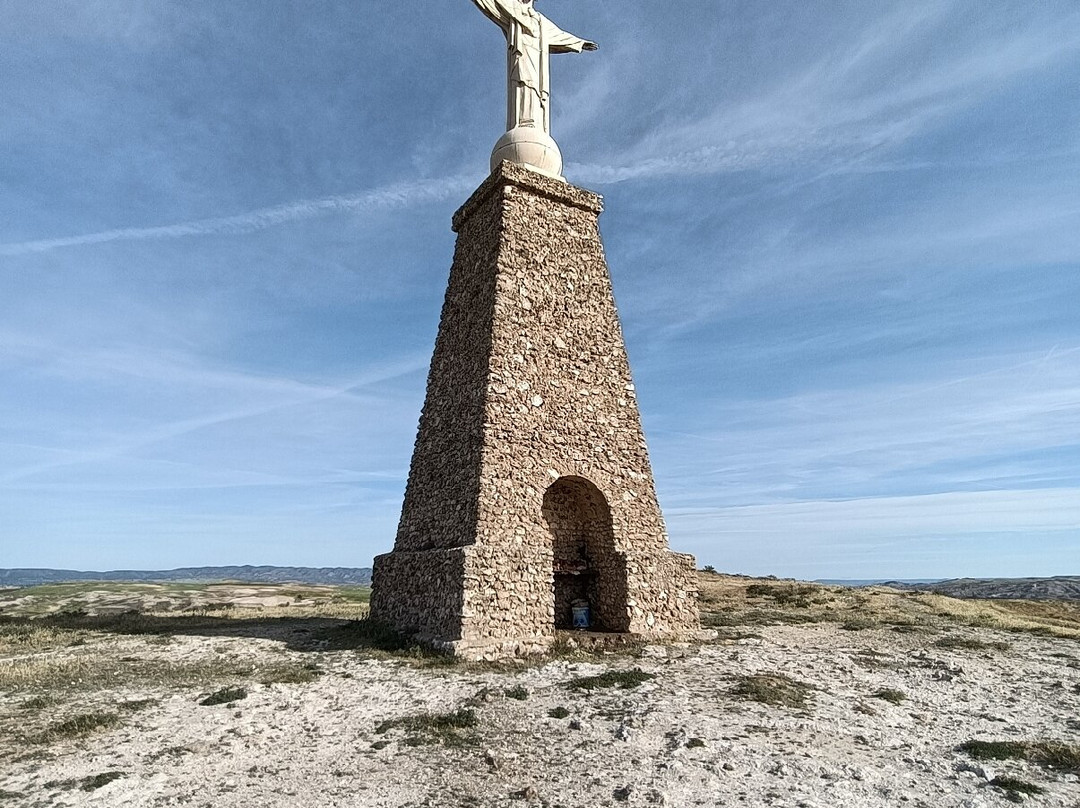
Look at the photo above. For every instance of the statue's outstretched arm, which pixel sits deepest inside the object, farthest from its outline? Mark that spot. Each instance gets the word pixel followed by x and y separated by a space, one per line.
pixel 562 42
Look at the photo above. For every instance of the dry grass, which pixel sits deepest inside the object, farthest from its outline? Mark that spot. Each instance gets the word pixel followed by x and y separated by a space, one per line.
pixel 774 689
pixel 731 601
pixel 90 672
pixel 623 680
pixel 954 643
pixel 429 728
pixel 1055 755
pixel 77 726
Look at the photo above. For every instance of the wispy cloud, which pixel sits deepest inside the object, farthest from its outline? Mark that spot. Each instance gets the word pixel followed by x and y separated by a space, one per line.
pixel 977 430
pixel 841 112
pixel 1028 532
pixel 397 195
pixel 214 398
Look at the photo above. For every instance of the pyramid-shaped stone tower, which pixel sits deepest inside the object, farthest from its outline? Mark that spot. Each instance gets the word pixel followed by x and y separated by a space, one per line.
pixel 530 489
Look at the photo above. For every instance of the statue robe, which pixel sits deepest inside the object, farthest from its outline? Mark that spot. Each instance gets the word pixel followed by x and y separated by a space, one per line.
pixel 531 38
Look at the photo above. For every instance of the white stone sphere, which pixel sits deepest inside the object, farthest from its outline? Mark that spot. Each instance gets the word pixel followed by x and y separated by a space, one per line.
pixel 530 147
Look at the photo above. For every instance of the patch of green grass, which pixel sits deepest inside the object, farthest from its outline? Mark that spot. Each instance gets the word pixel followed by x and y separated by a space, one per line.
pixel 518 693
pixel 227 695
pixel 77 726
pixel 353 594
pixel 427 728
pixel 624 680
pixel 890 695
pixel 1048 754
pixel 558 712
pixel 955 643
pixel 774 689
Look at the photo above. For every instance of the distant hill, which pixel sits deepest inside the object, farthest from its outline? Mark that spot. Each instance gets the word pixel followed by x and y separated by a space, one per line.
pixel 302 575
pixel 1062 587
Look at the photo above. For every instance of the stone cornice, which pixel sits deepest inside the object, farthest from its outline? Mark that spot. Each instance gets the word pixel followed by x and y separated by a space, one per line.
pixel 509 174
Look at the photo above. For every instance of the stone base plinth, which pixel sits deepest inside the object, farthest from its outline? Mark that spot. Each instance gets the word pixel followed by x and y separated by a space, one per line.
pixel 530 488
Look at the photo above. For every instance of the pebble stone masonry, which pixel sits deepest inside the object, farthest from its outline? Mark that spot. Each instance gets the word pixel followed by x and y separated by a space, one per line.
pixel 530 486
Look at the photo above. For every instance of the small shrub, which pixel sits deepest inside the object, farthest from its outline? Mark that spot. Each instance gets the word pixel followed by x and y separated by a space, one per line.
pixel 39 703
pixel 428 728
pixel 98 780
pixel 858 624
pixel 624 680
pixel 558 712
pixel 227 695
pixel 774 689
pixel 1017 786
pixel 995 750
pixel 695 743
pixel 78 726
pixel 954 643
pixel 518 693
pixel 290 674
pixel 890 695
pixel 1048 754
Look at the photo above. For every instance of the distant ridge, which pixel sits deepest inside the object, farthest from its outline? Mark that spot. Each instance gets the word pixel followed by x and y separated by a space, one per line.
pixel 1061 587
pixel 358 576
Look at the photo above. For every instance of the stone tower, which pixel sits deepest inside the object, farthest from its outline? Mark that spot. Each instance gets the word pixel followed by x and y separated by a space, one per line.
pixel 530 484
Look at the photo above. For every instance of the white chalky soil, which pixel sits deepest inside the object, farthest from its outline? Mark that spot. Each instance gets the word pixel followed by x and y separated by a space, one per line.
pixel 301 745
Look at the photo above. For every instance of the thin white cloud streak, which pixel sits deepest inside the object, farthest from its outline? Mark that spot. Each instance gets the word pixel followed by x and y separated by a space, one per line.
pixel 887 519
pixel 253 396
pixel 823 115
pixel 185 372
pixel 985 533
pixel 957 432
pixel 389 197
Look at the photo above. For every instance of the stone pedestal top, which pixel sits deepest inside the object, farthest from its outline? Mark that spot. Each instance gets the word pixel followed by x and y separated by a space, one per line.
pixel 508 173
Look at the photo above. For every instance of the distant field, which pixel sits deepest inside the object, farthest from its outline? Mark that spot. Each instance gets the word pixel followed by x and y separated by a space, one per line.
pixel 729 601
pixel 96 598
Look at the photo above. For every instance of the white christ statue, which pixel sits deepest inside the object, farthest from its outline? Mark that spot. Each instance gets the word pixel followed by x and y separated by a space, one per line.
pixel 531 38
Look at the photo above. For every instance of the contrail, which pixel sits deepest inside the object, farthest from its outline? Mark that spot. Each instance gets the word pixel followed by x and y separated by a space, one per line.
pixel 397 195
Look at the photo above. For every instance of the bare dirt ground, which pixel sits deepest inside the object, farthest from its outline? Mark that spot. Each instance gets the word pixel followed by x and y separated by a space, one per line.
pixel 809 696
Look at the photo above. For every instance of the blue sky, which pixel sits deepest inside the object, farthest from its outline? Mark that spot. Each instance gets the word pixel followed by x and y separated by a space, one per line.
pixel 844 239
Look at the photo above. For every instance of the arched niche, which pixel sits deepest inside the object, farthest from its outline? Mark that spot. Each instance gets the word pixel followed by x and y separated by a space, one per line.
pixel 586 564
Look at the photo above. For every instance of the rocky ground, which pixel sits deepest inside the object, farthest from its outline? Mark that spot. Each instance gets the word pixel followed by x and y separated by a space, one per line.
pixel 808 696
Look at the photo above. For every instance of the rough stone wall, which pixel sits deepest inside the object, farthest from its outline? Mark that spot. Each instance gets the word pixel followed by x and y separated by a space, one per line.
pixel 530 384
pixel 422 591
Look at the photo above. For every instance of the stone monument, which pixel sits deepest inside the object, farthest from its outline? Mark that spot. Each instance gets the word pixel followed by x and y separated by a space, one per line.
pixel 530 500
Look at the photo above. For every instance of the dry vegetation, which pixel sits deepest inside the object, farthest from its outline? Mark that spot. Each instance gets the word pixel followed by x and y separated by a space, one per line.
pixel 730 603
pixel 79 661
